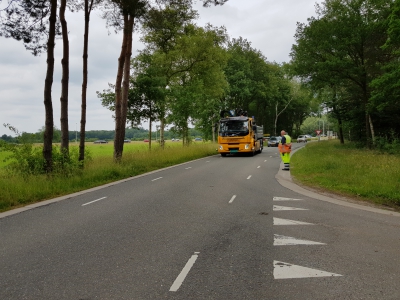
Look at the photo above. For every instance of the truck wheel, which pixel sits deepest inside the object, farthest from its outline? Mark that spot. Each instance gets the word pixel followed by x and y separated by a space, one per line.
pixel 223 154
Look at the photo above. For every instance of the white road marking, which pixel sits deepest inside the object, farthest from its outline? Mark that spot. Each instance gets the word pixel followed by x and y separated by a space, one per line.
pixel 188 168
pixel 285 199
pixel 281 240
pixel 265 160
pixel 207 161
pixel 181 277
pixel 284 270
pixel 156 178
pixel 249 177
pixel 258 167
pixel 278 221
pixel 94 201
pixel 233 198
pixel 278 208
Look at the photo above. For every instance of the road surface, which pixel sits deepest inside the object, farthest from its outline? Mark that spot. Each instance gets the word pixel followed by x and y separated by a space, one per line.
pixel 214 228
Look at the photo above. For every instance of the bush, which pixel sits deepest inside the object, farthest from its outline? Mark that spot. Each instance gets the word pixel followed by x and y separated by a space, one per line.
pixel 388 144
pixel 27 159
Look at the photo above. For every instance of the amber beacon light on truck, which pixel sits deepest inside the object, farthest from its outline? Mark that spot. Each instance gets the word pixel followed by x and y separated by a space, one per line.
pixel 239 133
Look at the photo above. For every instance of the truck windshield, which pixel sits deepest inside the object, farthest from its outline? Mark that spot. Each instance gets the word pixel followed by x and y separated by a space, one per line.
pixel 233 128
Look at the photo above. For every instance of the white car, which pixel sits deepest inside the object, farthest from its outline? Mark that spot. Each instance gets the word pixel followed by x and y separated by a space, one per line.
pixel 302 139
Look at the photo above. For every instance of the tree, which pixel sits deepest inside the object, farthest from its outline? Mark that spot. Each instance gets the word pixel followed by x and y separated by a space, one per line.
pixel 64 83
pixel 35 23
pixel 341 48
pixel 122 14
pixel 88 6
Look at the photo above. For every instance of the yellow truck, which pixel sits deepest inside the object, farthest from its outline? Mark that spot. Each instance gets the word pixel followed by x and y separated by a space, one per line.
pixel 239 134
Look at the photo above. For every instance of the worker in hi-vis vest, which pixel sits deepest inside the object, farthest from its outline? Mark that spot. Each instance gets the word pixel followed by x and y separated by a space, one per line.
pixel 285 146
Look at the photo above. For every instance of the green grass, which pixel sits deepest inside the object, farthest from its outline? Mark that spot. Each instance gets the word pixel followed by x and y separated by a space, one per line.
pixel 18 191
pixel 360 173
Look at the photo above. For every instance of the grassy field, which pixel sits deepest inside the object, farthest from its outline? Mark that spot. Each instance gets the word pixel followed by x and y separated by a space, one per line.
pixel 343 169
pixel 137 159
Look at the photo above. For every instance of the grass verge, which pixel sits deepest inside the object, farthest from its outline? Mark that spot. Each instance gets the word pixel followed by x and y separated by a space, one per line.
pixel 18 191
pixel 343 169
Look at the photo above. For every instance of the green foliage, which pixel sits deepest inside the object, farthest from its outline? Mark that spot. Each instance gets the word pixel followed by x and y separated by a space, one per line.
pixel 389 143
pixel 27 160
pixel 339 54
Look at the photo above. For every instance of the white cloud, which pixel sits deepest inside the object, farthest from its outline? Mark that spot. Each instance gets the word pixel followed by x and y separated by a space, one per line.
pixel 268 25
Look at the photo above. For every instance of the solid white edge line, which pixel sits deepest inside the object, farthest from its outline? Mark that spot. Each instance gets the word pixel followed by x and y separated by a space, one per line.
pixel 93 201
pixel 233 198
pixel 249 177
pixel 181 277
pixel 156 178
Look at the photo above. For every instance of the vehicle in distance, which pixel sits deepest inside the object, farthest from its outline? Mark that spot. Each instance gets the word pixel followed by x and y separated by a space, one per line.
pixel 197 139
pixel 302 139
pixel 238 133
pixel 274 141
pixel 100 142
pixel 146 140
pixel 127 141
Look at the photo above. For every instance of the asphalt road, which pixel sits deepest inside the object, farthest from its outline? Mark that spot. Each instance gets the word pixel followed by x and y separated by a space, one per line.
pixel 215 228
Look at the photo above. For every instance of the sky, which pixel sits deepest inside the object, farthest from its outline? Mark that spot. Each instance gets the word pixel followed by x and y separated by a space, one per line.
pixel 269 25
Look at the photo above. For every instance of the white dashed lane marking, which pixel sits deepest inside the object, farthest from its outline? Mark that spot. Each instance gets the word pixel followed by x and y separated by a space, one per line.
pixel 233 198
pixel 181 277
pixel 94 201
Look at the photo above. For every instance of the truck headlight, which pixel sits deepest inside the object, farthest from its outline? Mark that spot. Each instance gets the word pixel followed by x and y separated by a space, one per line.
pixel 247 146
pixel 220 147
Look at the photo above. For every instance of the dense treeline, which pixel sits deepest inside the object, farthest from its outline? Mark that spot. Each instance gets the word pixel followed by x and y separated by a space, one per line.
pixel 134 134
pixel 349 55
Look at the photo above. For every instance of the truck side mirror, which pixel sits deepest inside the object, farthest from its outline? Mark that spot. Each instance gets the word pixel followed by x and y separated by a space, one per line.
pixel 254 128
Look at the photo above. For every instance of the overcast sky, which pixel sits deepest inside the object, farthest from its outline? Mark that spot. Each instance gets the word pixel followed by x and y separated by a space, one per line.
pixel 268 24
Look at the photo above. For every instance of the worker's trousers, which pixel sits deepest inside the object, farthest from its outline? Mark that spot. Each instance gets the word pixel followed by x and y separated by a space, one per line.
pixel 286 160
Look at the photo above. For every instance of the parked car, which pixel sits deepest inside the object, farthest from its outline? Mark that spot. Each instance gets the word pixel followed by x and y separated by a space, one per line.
pixel 197 139
pixel 127 141
pixel 146 140
pixel 100 142
pixel 274 141
pixel 302 139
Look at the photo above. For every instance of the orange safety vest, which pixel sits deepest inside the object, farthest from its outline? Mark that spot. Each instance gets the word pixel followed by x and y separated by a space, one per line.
pixel 287 147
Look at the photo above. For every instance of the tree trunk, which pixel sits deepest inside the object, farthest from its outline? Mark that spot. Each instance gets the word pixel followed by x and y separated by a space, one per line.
pixel 64 83
pixel 213 132
pixel 88 9
pixel 122 88
pixel 340 123
pixel 125 83
pixel 162 124
pixel 150 125
pixel 118 93
pixel 48 104
pixel 371 125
